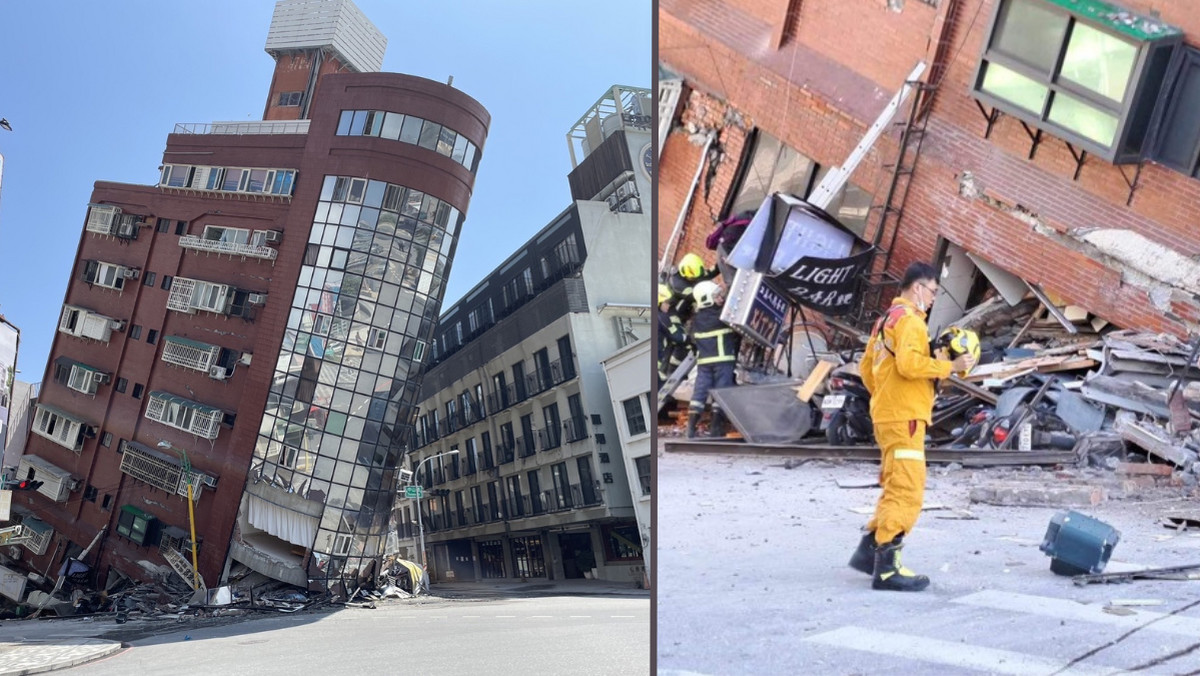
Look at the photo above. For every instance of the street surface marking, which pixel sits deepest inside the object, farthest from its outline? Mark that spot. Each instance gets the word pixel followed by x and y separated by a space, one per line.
pixel 1065 609
pixel 952 653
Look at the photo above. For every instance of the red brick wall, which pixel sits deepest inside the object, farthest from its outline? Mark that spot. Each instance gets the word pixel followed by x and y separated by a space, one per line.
pixel 1023 217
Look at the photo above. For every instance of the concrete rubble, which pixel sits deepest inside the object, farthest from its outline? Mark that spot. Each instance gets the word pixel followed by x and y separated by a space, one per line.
pixel 1051 376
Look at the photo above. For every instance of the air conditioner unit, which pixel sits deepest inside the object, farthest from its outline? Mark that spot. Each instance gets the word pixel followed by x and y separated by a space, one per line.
pixel 244 360
pixel 210 481
pixel 127 230
pixel 117 325
pixel 218 372
pixel 100 378
pixel 272 236
pixel 256 298
pixel 131 273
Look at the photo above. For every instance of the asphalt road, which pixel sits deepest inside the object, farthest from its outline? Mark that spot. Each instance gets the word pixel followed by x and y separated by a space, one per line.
pixel 752 579
pixel 588 636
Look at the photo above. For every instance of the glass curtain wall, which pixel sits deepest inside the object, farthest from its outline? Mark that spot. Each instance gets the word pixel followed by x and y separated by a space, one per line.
pixel 340 407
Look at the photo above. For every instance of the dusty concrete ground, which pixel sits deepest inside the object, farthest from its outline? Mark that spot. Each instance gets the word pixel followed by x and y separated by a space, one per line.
pixel 752 575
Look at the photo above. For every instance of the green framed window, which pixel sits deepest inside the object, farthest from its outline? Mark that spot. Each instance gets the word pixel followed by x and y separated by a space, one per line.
pixel 1085 71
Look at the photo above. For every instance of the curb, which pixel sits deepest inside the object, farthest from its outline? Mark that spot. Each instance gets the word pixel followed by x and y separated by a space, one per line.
pixel 86 649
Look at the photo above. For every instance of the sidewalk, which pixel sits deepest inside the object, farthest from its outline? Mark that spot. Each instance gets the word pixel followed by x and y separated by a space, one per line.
pixel 19 657
pixel 536 587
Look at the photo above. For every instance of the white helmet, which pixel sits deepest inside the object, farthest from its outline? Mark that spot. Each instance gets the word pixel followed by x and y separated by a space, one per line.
pixel 706 293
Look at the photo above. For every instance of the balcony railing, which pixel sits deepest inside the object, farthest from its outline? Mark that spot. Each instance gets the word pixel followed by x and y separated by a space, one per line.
pixel 228 248
pixel 549 438
pixel 575 429
pixel 263 127
pixel 512 507
pixel 526 446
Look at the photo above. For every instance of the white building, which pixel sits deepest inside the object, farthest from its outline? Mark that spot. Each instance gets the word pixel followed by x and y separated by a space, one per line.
pixel 629 390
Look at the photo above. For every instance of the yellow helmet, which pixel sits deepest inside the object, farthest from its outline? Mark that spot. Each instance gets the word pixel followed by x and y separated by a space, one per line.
pixel 691 266
pixel 960 341
pixel 664 293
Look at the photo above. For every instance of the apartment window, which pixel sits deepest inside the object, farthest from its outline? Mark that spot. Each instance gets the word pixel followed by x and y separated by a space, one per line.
pixel 1087 78
pixel 497 509
pixel 135 332
pixel 188 353
pixel 152 336
pixel 418 351
pixel 517 507
pixel 148 279
pixel 553 433
pixel 527 440
pixel 518 371
pixel 472 456
pixel 180 227
pixel 507 442
pixel 59 426
pixel 106 439
pixel 89 493
pixel 166 282
pixel 587 485
pixel 122 383
pixel 189 295
pixel 151 467
pixel 643 470
pixel 83 323
pixel 290 99
pixel 477 504
pixel 1178 145
pixel 162 225
pixel 84 378
pixel 635 418
pixel 135 524
pixel 485 440
pixel 562 485
pixel 106 503
pixel 137 390
pixel 189 416
pixel 500 385
pixel 535 492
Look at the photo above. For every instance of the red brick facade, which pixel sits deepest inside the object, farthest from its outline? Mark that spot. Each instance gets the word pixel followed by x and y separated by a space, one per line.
pixel 838 66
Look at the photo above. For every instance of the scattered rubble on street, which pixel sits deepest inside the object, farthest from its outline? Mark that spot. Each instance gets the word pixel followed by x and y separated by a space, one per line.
pixel 1056 387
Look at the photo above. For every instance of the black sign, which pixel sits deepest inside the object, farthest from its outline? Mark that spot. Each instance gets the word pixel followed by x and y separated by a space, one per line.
pixel 828 285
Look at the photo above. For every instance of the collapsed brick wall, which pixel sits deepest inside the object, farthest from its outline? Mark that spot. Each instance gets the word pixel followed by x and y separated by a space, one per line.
pixel 984 194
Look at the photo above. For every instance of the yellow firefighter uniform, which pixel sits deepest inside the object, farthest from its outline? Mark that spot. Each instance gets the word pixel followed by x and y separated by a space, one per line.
pixel 900 373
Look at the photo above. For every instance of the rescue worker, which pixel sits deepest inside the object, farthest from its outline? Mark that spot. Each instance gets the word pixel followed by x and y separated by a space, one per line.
pixel 716 356
pixel 683 281
pixel 672 336
pixel 900 374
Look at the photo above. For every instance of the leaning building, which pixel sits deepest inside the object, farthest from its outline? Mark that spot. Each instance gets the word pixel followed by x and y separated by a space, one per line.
pixel 255 323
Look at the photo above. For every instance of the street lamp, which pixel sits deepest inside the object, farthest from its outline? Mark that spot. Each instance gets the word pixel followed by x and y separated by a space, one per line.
pixel 420 522
pixel 187 476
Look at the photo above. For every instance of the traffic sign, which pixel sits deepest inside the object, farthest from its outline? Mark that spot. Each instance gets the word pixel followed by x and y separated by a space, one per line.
pixel 414 492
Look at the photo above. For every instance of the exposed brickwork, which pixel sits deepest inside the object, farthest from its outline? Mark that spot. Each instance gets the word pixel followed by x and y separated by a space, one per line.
pixel 820 91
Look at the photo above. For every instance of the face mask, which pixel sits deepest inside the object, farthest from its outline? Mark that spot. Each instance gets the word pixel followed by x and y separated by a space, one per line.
pixel 923 307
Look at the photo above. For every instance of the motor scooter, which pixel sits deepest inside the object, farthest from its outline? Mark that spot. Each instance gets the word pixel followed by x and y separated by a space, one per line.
pixel 846 408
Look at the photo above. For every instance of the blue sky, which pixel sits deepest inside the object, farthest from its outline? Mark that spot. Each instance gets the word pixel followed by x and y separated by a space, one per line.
pixel 92 89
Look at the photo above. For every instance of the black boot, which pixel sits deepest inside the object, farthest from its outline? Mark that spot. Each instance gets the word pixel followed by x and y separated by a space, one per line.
pixel 716 426
pixel 890 575
pixel 863 559
pixel 693 418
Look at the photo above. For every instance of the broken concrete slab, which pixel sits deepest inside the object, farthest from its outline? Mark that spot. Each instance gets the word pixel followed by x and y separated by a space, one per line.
pixel 1035 494
pixel 1154 440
